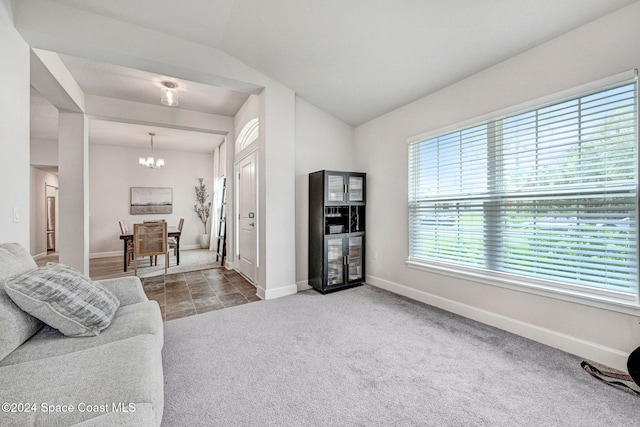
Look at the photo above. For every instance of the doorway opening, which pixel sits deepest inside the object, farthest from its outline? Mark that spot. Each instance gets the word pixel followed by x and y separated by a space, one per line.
pixel 51 218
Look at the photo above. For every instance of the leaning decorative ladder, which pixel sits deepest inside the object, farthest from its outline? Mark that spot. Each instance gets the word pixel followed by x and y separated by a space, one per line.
pixel 221 250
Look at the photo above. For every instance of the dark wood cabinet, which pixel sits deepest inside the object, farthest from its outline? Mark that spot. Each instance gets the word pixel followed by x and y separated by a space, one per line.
pixel 336 229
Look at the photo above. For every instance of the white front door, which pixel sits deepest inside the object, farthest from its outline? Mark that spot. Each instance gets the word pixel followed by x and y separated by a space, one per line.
pixel 247 214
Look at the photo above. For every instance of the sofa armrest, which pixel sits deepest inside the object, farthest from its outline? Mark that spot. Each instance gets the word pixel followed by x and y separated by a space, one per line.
pixel 128 289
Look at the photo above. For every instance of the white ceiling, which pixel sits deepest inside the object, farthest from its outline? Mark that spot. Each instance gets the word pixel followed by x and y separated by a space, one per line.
pixel 354 59
pixel 358 59
pixel 112 81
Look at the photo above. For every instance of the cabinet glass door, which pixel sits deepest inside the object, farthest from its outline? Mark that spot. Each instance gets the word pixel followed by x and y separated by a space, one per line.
pixel 355 258
pixel 335 188
pixel 334 261
pixel 356 189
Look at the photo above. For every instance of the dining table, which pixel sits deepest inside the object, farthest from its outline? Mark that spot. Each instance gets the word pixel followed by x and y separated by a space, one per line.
pixel 171 232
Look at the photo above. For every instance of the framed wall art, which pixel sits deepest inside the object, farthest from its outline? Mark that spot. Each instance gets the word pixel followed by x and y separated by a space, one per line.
pixel 151 200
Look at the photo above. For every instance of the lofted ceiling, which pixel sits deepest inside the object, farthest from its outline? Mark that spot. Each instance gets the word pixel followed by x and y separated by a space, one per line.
pixel 358 59
pixel 355 59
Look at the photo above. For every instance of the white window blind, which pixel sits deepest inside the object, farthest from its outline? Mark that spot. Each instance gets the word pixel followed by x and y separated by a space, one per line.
pixel 549 193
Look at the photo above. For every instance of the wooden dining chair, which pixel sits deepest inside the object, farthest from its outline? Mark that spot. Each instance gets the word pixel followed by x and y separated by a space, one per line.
pixel 150 239
pixel 173 241
pixel 125 230
pixel 153 259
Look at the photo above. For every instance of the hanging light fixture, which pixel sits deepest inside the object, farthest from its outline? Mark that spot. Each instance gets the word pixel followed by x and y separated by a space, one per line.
pixel 151 161
pixel 169 95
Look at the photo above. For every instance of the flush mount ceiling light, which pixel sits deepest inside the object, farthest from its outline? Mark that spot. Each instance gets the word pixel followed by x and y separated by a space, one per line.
pixel 169 95
pixel 151 161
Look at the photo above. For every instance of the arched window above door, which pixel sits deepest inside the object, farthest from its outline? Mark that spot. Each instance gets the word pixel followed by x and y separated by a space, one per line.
pixel 248 134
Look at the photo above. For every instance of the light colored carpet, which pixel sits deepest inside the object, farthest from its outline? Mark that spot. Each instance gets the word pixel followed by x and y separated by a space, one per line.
pixel 365 357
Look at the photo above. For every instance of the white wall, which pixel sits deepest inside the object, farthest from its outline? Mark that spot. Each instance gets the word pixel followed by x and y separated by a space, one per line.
pixel 602 48
pixel 44 152
pixel 14 130
pixel 276 197
pixel 114 170
pixel 322 142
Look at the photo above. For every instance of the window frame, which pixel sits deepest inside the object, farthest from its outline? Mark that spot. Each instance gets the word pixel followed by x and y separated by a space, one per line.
pixel 521 283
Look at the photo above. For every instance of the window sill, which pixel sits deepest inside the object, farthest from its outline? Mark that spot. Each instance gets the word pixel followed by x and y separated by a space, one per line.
pixel 530 285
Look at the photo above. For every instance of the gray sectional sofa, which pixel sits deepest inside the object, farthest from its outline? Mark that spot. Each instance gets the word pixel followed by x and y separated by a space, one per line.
pixel 48 379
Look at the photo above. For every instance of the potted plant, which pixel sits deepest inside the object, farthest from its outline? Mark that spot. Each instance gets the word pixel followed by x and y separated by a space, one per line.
pixel 202 208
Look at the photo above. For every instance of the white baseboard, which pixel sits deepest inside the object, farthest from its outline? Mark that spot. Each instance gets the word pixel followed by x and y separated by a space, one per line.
pixel 303 285
pixel 40 255
pixel 91 255
pixel 586 349
pixel 282 291
pixel 105 254
pixel 190 247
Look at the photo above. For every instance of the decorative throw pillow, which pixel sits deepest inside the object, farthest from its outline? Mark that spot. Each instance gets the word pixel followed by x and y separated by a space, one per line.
pixel 64 299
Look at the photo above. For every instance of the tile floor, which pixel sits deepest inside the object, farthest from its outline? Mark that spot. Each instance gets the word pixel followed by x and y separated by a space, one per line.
pixel 185 294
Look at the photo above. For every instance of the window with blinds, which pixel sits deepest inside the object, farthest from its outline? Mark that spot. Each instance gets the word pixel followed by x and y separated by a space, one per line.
pixel 549 194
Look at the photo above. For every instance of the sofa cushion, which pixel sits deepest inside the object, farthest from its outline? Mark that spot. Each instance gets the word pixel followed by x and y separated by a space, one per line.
pixel 65 299
pixel 16 326
pixel 130 321
pixel 128 289
pixel 109 378
pixel 15 260
pixel 144 415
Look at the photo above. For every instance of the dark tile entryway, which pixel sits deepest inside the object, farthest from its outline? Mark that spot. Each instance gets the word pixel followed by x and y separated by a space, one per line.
pixel 185 294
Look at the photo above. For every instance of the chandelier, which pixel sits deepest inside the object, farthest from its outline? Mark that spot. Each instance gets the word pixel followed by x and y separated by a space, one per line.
pixel 151 161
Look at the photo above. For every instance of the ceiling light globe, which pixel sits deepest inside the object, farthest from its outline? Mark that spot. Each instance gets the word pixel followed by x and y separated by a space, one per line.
pixel 169 96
